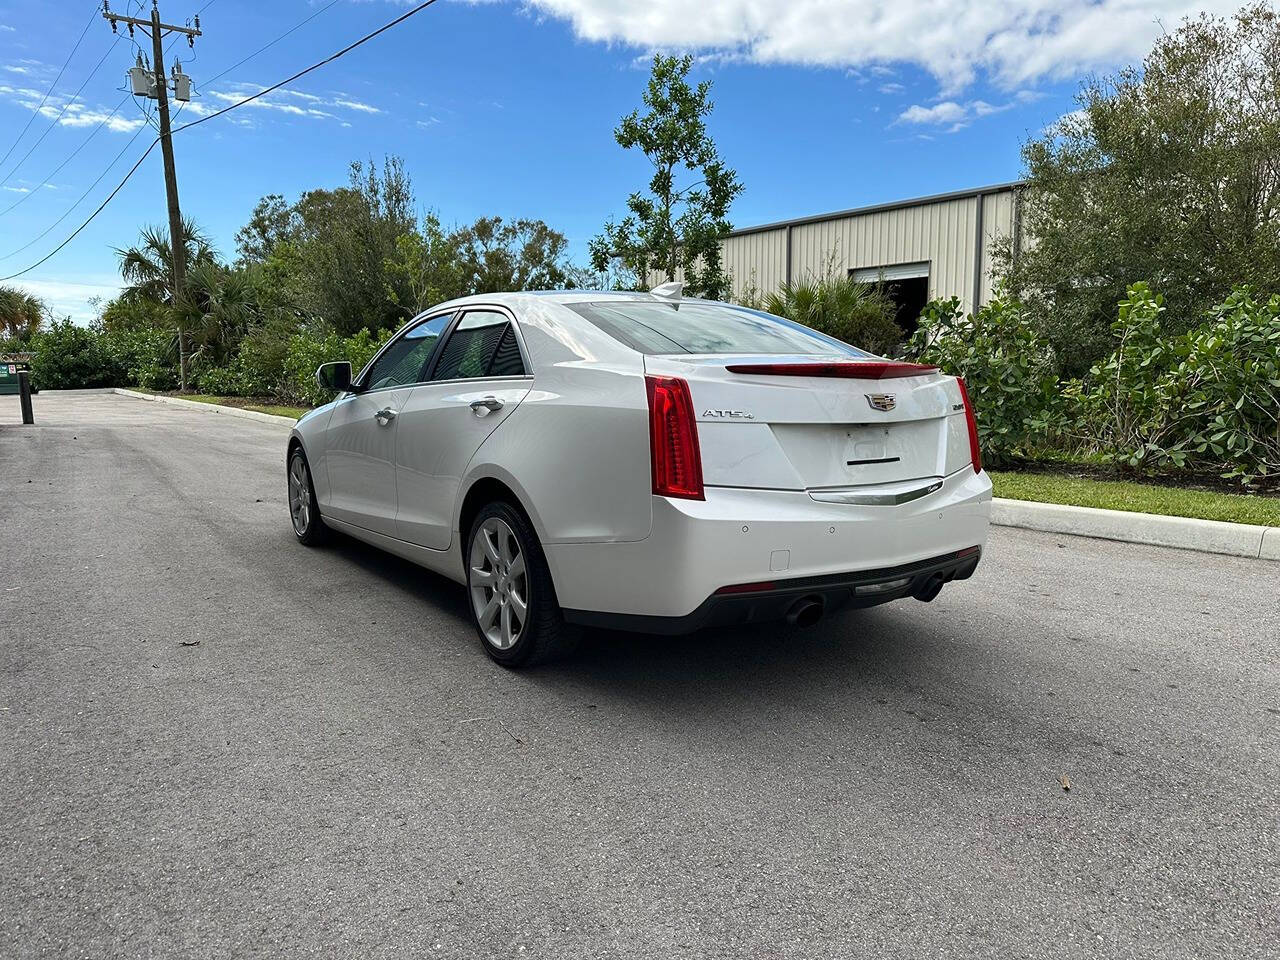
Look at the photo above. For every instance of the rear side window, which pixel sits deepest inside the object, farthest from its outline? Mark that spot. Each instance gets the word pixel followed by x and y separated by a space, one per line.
pixel 482 345
pixel 690 327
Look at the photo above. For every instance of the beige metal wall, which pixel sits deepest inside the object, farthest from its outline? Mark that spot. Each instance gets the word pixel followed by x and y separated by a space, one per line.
pixel 942 234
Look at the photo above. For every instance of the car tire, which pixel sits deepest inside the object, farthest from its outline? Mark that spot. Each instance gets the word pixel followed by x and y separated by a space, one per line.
pixel 304 511
pixel 507 572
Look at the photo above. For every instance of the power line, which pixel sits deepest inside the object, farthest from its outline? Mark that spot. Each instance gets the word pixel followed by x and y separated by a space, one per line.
pixel 266 46
pixel 65 107
pixel 92 17
pixel 315 66
pixel 56 170
pixel 80 200
pixel 146 116
pixel 301 73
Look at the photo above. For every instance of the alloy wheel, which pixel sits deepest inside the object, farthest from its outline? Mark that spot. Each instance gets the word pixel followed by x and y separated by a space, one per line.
pixel 299 496
pixel 499 583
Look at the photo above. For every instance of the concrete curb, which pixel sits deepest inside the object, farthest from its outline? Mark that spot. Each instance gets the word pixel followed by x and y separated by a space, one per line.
pixel 207 407
pixel 1205 536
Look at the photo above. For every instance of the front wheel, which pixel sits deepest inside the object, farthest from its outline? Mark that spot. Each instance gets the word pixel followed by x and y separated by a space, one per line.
pixel 304 512
pixel 513 602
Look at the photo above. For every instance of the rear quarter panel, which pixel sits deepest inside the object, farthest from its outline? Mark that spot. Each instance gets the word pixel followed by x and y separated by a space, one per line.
pixel 576 450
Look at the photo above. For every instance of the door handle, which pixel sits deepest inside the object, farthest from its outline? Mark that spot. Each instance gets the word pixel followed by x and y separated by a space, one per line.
pixel 385 416
pixel 486 405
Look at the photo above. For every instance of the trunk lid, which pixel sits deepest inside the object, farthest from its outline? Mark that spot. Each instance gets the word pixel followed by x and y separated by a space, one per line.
pixel 807 423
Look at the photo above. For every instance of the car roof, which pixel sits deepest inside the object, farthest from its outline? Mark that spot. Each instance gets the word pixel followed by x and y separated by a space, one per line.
pixel 565 297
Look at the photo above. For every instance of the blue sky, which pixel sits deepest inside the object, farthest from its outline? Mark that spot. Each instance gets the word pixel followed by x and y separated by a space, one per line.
pixel 508 109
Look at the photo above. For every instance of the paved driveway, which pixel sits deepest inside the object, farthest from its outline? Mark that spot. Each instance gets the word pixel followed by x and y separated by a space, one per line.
pixel 215 742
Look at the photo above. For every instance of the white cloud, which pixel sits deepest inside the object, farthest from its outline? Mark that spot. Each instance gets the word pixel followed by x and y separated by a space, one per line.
pixel 5 28
pixel 946 112
pixel 74 115
pixel 18 189
pixel 1013 43
pixel 356 105
pixel 954 116
pixel 309 105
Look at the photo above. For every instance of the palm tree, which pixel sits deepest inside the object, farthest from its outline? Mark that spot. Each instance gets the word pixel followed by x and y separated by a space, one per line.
pixel 20 313
pixel 857 313
pixel 223 307
pixel 147 269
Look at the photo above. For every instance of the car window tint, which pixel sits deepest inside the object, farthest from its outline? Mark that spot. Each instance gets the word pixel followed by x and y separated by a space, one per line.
pixel 405 360
pixel 482 345
pixel 654 328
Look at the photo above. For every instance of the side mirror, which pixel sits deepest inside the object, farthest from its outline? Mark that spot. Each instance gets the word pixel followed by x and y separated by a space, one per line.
pixel 334 376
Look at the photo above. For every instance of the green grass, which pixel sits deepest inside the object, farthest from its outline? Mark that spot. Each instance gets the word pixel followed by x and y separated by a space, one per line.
pixel 277 410
pixel 1137 497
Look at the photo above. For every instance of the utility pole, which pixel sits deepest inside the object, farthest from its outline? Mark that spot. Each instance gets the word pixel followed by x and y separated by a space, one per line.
pixel 157 87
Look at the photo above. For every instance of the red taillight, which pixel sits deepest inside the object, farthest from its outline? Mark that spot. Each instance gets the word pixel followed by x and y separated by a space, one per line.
pixel 879 370
pixel 974 452
pixel 673 439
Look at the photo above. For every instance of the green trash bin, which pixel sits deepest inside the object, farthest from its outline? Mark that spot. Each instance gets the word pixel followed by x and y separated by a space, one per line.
pixel 9 370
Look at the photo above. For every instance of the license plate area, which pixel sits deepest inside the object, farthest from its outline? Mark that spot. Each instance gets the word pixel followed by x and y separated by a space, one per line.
pixel 868 444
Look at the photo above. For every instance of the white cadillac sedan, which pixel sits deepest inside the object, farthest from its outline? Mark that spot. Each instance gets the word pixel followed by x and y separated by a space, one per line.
pixel 643 462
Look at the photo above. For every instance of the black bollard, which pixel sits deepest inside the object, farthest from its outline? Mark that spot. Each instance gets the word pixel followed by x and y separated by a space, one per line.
pixel 24 392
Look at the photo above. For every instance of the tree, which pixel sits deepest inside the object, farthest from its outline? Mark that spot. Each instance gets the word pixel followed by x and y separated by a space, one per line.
pixel 427 268
pixel 335 251
pixel 20 313
pixel 681 219
pixel 1169 173
pixel 223 309
pixel 147 268
pixel 521 255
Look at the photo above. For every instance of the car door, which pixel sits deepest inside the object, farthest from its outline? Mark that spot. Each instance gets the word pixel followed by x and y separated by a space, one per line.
pixel 479 376
pixel 360 440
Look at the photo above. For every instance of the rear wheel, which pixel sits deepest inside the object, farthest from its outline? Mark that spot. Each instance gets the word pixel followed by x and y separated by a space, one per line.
pixel 304 512
pixel 513 602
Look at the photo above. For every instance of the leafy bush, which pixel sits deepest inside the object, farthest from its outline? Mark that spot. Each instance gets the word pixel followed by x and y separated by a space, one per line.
pixel 1009 369
pixel 69 357
pixel 146 355
pixel 221 381
pixel 857 313
pixel 1226 389
pixel 1208 399
pixel 1122 403
pixel 307 351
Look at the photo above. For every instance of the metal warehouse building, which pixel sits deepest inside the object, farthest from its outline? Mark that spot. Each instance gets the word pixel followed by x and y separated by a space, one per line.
pixel 930 247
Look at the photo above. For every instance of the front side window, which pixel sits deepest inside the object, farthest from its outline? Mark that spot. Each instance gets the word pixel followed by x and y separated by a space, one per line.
pixel 658 328
pixel 482 345
pixel 405 360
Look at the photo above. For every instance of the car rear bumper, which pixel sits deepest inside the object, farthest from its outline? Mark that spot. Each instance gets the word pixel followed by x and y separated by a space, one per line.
pixel 783 599
pixel 738 537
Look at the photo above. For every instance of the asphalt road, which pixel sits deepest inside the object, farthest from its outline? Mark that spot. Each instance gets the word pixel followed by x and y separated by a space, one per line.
pixel 336 769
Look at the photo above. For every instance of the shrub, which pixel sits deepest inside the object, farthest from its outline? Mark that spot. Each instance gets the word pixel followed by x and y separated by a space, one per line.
pixel 1009 369
pixel 1208 399
pixel 69 357
pixel 307 351
pixel 146 356
pixel 1225 389
pixel 222 381
pixel 856 313
pixel 1121 402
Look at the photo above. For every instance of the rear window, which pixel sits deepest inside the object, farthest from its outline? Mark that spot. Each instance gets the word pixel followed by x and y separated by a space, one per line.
pixel 689 327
